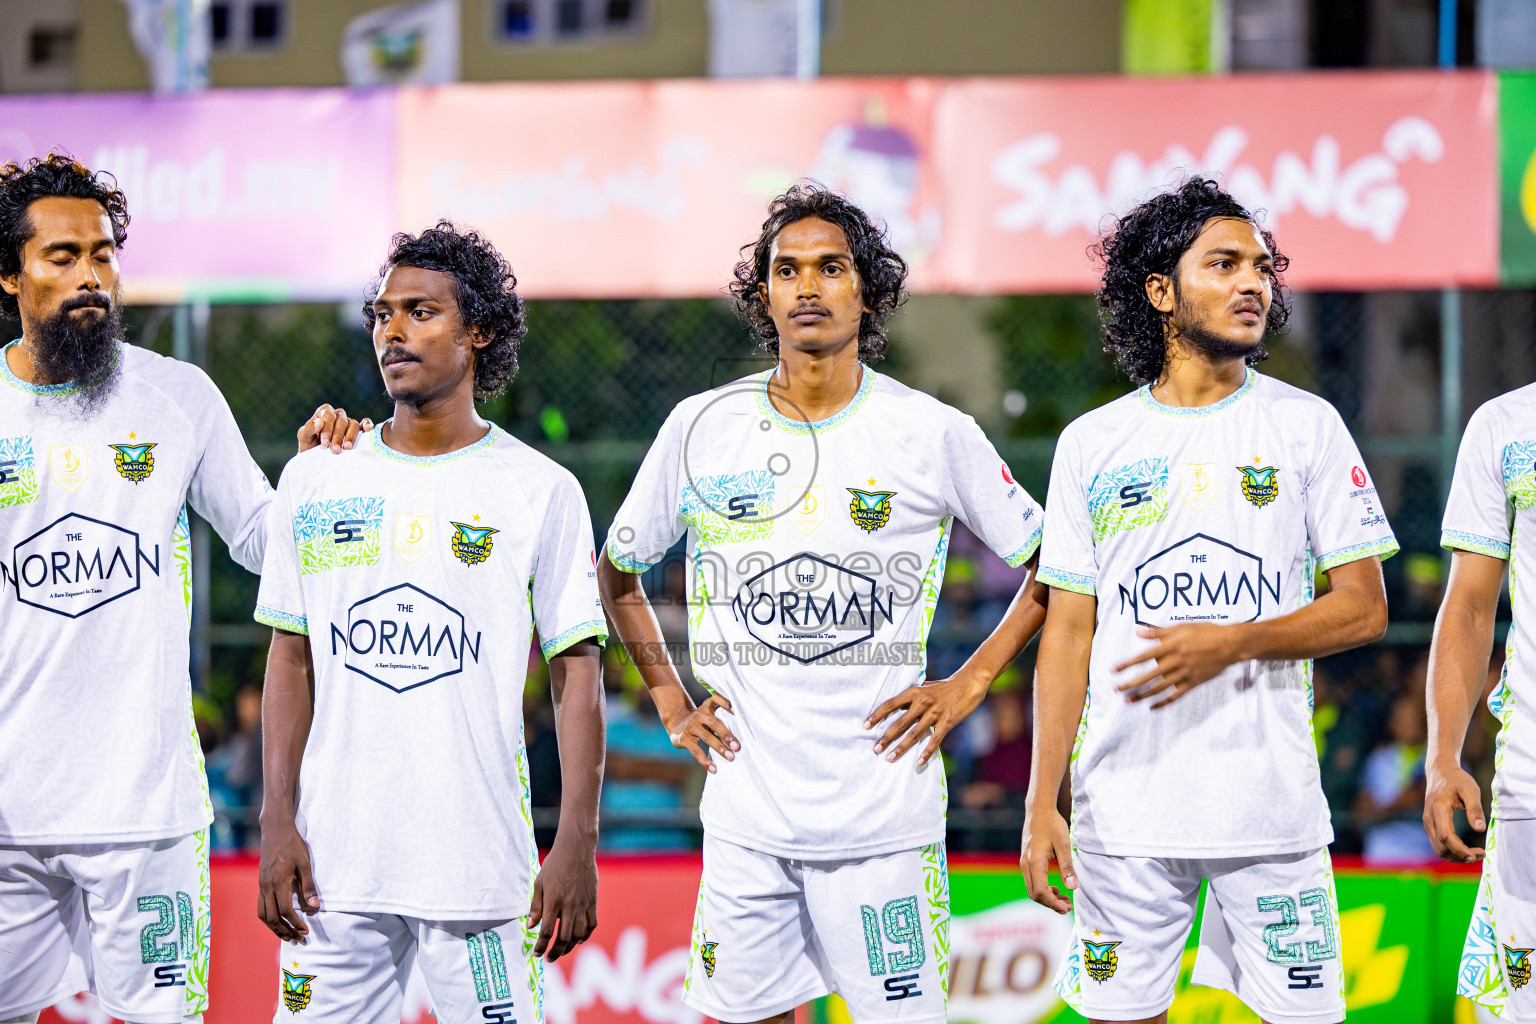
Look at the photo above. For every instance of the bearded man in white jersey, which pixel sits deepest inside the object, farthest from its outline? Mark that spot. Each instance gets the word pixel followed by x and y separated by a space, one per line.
pixel 1493 494
pixel 1186 523
pixel 404 585
pixel 817 499
pixel 104 806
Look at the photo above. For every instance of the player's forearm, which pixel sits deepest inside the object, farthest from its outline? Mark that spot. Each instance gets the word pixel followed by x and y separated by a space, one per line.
pixel 1458 660
pixel 287 710
pixel 575 683
pixel 634 621
pixel 1061 688
pixel 1022 621
pixel 1353 613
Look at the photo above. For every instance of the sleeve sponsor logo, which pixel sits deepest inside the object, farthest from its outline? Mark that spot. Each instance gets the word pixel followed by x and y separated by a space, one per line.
pixel 1358 476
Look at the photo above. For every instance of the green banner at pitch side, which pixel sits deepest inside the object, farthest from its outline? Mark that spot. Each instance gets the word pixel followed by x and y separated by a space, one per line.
pixel 1517 178
pixel 1400 941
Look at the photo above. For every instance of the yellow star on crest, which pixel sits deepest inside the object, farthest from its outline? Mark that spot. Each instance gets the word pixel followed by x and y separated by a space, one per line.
pixel 476 518
pixel 132 436
pixel 871 481
pixel 1095 935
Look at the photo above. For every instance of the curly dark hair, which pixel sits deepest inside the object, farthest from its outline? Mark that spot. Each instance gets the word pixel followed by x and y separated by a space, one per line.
pixel 882 271
pixel 483 286
pixel 1150 240
pixel 57 175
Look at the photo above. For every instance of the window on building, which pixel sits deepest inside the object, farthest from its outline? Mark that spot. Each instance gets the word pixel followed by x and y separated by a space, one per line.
pixel 51 47
pixel 248 25
pixel 547 22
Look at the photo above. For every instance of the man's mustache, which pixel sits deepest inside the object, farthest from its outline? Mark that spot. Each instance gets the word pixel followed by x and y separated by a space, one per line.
pixel 86 300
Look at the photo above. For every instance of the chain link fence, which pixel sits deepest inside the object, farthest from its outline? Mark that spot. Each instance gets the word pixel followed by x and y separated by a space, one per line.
pixel 597 379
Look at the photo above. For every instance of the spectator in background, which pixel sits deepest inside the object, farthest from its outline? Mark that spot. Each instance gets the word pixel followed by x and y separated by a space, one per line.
pixel 1391 802
pixel 1001 775
pixel 543 750
pixel 645 773
pixel 234 776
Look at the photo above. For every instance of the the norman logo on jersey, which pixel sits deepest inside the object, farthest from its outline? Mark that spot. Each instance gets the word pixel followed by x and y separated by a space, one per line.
pixel 77 564
pixel 1099 960
pixel 403 637
pixel 471 544
pixel 18 479
pixel 870 509
pixel 134 461
pixel 1260 485
pixel 297 990
pixel 807 607
pixel 1517 966
pixel 338 533
pixel 1199 579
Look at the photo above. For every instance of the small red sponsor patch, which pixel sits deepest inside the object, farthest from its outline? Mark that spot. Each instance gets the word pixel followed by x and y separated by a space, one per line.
pixel 1007 475
pixel 1358 476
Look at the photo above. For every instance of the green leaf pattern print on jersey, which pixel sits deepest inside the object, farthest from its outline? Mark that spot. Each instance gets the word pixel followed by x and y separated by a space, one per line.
pixel 338 533
pixel 1128 497
pixel 729 508
pixel 18 477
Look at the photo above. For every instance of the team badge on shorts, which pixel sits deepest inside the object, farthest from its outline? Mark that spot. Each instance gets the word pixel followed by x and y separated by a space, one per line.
pixel 1259 484
pixel 870 509
pixel 1099 960
pixel 1517 966
pixel 707 954
pixel 471 544
pixel 134 461
pixel 297 991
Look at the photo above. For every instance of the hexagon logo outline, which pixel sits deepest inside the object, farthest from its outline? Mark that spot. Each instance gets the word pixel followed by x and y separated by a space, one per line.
pixel 1258 560
pixel 751 623
pixel 138 559
pixel 347 641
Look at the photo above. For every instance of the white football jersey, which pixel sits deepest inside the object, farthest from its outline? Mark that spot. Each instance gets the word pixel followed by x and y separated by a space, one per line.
pixel 1221 514
pixel 95 697
pixel 1493 494
pixel 815 557
pixel 420 581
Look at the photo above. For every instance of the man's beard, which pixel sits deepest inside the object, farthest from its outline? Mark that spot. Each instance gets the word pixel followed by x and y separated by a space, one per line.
pixel 80 349
pixel 1201 340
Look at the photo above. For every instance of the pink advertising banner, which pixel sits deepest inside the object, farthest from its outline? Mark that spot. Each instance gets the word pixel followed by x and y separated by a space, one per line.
pixel 640 189
pixel 1369 180
pixel 253 195
pixel 650 189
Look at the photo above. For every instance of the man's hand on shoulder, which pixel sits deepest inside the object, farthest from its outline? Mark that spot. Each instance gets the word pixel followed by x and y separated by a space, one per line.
pixel 564 907
pixel 331 426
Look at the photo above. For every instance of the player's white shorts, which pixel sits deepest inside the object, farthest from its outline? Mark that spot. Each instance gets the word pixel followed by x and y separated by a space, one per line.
pixel 128 921
pixel 1501 942
pixel 770 934
pixel 1269 935
pixel 353 969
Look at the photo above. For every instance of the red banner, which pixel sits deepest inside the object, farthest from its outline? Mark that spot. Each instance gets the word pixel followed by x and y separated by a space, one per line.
pixel 630 972
pixel 1370 180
